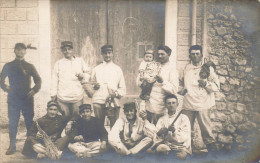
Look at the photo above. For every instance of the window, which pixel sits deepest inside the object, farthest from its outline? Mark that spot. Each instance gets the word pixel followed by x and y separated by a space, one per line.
pixel 142 47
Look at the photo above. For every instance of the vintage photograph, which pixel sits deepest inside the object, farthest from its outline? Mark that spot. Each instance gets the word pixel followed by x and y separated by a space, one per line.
pixel 129 81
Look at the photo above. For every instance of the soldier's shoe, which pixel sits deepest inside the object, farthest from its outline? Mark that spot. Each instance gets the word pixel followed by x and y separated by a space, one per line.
pixel 11 150
pixel 212 147
pixel 41 156
pixel 150 151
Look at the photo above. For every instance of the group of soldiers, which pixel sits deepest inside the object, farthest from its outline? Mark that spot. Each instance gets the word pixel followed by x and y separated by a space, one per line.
pixel 154 125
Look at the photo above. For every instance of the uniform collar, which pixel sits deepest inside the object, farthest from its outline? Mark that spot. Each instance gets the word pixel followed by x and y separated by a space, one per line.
pixel 136 121
pixel 199 66
pixel 18 61
pixel 107 63
pixel 73 58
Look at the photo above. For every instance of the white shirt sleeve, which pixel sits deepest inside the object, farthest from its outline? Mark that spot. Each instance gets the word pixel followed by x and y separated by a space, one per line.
pixel 121 85
pixel 115 131
pixel 183 131
pixel 171 86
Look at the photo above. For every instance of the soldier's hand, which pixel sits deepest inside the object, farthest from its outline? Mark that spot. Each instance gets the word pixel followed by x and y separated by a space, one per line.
pixel 53 98
pixel 159 79
pixel 79 138
pixel 113 94
pixel 143 114
pixel 39 135
pixel 96 86
pixel 31 93
pixel 80 76
pixel 8 89
pixel 68 128
pixel 162 131
pixel 172 129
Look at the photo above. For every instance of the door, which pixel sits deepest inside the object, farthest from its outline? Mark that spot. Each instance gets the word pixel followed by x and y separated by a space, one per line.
pixel 131 26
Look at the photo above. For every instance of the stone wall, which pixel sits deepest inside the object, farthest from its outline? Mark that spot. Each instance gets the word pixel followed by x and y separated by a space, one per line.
pixel 232 46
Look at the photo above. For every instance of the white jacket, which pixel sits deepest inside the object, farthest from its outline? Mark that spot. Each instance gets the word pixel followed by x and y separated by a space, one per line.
pixel 65 83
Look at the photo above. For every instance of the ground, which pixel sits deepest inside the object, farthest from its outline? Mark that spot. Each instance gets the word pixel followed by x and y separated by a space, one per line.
pixel 110 157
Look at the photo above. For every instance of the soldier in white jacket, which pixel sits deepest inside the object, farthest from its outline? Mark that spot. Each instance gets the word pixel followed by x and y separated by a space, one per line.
pixel 200 95
pixel 178 135
pixel 66 85
pixel 167 83
pixel 109 81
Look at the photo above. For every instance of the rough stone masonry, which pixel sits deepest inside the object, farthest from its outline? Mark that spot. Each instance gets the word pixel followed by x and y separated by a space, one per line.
pixel 233 48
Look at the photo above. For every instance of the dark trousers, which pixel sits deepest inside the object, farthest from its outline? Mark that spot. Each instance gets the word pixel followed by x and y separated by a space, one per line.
pixel 15 106
pixel 146 90
pixel 60 143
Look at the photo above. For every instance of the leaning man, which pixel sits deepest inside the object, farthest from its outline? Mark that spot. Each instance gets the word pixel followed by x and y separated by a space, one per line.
pixel 200 95
pixel 20 94
pixel 88 135
pixel 52 124
pixel 128 135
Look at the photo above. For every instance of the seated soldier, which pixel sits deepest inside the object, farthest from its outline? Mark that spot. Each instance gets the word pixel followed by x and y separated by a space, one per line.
pixel 176 137
pixel 44 138
pixel 88 135
pixel 128 135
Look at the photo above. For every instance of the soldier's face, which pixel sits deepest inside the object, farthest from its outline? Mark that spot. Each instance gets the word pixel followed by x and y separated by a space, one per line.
pixel 52 111
pixel 130 113
pixel 163 56
pixel 195 56
pixel 171 104
pixel 86 114
pixel 20 53
pixel 67 52
pixel 107 56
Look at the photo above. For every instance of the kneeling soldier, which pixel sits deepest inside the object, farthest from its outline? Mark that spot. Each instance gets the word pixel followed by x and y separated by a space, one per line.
pixel 178 135
pixel 89 136
pixel 128 135
pixel 45 135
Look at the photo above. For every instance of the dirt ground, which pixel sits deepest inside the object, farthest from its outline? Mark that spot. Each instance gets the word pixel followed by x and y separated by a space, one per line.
pixel 111 156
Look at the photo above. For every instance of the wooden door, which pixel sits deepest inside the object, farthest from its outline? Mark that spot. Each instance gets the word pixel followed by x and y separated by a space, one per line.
pixel 131 26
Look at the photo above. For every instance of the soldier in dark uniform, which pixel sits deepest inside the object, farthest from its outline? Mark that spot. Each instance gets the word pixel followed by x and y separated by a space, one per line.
pixel 52 124
pixel 20 93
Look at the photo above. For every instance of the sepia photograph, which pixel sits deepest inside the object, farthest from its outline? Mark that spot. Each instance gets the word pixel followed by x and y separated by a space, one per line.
pixel 129 81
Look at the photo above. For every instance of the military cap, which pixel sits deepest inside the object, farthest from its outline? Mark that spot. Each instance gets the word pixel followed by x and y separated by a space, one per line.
pixel 66 43
pixel 106 48
pixel 84 106
pixel 20 45
pixel 52 103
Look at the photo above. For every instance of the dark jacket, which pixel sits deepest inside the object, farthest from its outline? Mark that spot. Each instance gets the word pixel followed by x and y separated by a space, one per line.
pixel 19 74
pixel 52 127
pixel 91 130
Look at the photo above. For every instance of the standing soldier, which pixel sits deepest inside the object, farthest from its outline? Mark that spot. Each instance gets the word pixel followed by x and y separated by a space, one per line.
pixel 66 81
pixel 200 94
pixel 167 83
pixel 20 93
pixel 110 83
